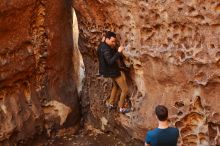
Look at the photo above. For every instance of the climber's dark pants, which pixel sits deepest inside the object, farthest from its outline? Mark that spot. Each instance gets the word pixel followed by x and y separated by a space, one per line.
pixel 119 85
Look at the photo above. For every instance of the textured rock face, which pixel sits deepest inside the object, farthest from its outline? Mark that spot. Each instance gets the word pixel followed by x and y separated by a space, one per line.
pixel 37 89
pixel 173 51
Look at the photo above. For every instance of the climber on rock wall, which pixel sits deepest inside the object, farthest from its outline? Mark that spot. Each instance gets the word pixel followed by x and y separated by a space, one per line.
pixel 163 135
pixel 109 57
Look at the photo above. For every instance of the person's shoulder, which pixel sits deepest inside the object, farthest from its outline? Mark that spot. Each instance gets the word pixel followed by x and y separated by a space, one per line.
pixel 101 44
pixel 152 132
pixel 173 129
pixel 104 46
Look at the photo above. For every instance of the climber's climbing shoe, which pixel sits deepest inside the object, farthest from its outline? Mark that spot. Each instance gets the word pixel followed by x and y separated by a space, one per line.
pixel 109 106
pixel 124 110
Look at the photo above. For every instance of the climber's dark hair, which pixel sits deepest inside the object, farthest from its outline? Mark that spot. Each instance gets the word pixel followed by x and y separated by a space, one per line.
pixel 110 34
pixel 161 112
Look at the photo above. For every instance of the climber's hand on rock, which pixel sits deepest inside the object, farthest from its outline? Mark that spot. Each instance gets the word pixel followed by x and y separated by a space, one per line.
pixel 103 39
pixel 120 49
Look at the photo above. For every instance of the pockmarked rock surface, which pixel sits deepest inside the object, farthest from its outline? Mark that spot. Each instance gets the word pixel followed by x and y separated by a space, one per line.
pixel 37 88
pixel 173 52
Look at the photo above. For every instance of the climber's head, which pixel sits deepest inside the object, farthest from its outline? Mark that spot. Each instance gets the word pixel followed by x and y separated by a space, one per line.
pixel 161 112
pixel 110 39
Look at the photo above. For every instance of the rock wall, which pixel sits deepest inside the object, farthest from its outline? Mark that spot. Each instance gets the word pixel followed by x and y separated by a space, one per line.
pixel 173 51
pixel 37 88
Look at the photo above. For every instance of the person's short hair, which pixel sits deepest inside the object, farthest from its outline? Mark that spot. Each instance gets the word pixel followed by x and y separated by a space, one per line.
pixel 110 34
pixel 161 112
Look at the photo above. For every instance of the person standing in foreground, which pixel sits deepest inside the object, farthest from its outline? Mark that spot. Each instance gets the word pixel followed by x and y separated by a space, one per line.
pixel 108 56
pixel 163 135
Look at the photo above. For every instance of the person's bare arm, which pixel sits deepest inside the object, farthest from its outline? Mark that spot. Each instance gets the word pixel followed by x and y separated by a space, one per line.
pixel 147 144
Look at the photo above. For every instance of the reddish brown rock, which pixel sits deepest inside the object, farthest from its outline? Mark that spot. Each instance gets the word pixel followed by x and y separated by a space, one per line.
pixel 37 90
pixel 172 49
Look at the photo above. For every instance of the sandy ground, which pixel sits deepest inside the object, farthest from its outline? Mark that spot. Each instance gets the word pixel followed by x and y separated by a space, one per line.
pixel 91 137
